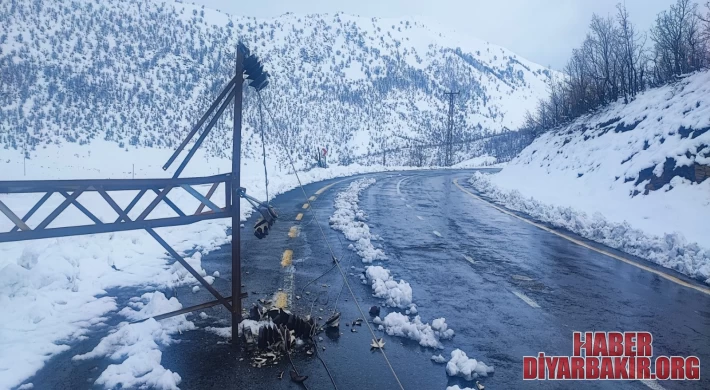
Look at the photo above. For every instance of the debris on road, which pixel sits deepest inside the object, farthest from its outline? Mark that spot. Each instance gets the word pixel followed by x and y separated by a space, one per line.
pixel 375 311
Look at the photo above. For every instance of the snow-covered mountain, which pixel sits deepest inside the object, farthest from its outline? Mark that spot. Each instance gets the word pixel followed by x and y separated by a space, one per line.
pixel 140 73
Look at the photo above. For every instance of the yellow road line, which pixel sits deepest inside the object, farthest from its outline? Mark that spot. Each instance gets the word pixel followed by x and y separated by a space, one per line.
pixel 293 232
pixel 322 190
pixel 305 205
pixel 299 217
pixel 662 274
pixel 287 258
pixel 281 300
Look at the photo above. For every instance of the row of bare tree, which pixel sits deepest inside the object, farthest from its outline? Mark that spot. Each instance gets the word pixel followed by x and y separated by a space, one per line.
pixel 617 61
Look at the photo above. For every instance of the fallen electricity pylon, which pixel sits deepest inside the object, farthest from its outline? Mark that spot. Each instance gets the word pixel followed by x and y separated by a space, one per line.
pixel 246 64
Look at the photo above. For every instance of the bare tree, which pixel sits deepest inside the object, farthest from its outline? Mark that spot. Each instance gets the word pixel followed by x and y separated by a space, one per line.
pixel 631 46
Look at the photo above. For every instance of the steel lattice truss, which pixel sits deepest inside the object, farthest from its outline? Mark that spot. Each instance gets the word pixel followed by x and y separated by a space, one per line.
pixel 246 64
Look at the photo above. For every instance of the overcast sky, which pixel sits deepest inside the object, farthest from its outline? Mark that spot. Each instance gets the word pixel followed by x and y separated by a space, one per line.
pixel 543 31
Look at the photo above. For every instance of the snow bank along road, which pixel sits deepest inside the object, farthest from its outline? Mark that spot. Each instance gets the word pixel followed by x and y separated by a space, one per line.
pixel 507 288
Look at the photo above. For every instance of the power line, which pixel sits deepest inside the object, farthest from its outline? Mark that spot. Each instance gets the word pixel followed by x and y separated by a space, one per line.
pixel 337 263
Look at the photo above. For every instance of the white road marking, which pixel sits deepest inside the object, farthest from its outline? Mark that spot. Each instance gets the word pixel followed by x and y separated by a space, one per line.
pixel 437 233
pixel 526 299
pixel 652 384
pixel 399 183
pixel 408 206
pixel 521 277
pixel 469 259
pixel 420 218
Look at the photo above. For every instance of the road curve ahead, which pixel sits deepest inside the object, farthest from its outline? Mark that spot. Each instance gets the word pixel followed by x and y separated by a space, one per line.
pixel 510 289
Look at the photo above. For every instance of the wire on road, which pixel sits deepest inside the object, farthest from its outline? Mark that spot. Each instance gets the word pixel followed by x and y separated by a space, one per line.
pixel 330 248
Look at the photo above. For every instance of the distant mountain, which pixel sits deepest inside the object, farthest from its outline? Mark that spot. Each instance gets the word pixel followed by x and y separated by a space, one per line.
pixel 140 73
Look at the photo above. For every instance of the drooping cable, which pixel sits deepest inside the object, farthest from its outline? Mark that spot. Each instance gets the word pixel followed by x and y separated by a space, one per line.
pixel 263 151
pixel 337 263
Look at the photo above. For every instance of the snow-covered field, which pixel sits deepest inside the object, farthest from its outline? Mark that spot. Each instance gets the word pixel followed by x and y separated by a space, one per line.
pixel 626 177
pixel 351 220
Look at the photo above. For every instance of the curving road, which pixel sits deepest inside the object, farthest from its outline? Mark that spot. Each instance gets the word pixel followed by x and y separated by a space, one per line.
pixel 509 289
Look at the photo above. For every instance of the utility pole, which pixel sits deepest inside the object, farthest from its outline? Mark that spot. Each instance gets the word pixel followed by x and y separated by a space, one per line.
pixel 236 168
pixel 448 158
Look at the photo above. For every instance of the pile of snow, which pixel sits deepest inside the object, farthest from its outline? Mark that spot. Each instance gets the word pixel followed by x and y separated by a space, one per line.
pixel 398 324
pixel 136 347
pixel 438 359
pixel 465 367
pixel 477 162
pixel 350 219
pixel 632 176
pixel 395 294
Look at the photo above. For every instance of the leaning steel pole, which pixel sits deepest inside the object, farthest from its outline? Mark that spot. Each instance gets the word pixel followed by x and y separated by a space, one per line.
pixel 236 167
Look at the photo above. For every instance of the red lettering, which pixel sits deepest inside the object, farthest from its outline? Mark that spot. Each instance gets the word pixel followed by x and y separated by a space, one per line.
pixel 677 368
pixel 621 368
pixel 663 367
pixel 577 367
pixel 529 367
pixel 599 346
pixel 692 368
pixel 563 370
pixel 643 344
pixel 607 368
pixel 578 344
pixel 541 366
pixel 592 368
pixel 632 368
pixel 630 343
pixel 643 368
pixel 551 364
pixel 616 344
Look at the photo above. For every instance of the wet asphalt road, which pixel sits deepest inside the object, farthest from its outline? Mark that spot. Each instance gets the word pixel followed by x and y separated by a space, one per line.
pixel 469 272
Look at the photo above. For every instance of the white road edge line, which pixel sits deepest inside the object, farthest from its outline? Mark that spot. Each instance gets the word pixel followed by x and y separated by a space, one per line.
pixel 652 384
pixel 399 192
pixel 420 218
pixel 585 245
pixel 526 299
pixel 437 233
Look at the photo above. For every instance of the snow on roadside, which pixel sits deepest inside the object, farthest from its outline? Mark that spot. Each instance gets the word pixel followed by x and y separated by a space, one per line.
pixel 670 250
pixel 398 324
pixel 136 347
pixel 461 365
pixel 350 219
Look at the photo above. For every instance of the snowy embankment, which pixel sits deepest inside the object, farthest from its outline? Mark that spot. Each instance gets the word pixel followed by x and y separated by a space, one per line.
pixel 351 220
pixel 53 292
pixel 633 177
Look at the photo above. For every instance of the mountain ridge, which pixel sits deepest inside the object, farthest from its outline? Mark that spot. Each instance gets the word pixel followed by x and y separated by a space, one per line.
pixel 140 73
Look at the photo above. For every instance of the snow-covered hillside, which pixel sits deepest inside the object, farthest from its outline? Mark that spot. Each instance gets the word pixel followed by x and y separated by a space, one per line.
pixel 633 176
pixel 140 72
